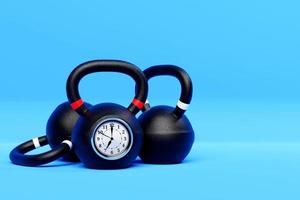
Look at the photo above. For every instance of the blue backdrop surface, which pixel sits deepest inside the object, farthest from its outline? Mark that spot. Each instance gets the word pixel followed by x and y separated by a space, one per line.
pixel 243 57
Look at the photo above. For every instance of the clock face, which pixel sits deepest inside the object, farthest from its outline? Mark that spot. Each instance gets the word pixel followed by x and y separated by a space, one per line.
pixel 112 139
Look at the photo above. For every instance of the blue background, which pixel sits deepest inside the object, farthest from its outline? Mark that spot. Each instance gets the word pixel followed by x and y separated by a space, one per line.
pixel 243 57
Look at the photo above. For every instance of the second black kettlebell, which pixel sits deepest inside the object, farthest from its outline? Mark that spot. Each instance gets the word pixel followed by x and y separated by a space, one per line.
pixel 168 134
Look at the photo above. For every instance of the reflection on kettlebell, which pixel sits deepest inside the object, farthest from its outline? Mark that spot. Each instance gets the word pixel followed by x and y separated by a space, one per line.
pixel 168 134
pixel 107 135
pixel 58 135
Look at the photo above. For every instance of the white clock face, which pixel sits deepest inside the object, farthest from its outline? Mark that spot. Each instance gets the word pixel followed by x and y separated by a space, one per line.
pixel 112 139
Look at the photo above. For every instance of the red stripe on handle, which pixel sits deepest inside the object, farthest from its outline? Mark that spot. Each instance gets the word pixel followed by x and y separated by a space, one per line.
pixel 77 104
pixel 138 103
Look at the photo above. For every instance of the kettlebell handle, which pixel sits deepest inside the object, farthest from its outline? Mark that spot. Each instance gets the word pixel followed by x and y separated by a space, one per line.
pixel 184 79
pixel 90 67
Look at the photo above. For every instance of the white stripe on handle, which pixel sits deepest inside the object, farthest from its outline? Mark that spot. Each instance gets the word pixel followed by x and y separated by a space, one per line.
pixel 68 142
pixel 182 106
pixel 36 143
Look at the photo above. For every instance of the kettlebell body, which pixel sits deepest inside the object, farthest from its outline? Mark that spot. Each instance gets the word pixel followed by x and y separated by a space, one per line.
pixel 59 127
pixel 168 134
pixel 107 135
pixel 167 139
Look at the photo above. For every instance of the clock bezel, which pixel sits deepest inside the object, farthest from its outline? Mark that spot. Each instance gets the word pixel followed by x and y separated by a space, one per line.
pixel 128 148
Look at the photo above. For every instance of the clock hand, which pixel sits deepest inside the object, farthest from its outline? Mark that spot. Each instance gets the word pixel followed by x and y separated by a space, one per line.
pixel 104 135
pixel 111 130
pixel 108 144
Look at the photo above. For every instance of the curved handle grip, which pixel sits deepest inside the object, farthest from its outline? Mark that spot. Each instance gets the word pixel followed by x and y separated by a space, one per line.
pixel 106 66
pixel 184 79
pixel 18 157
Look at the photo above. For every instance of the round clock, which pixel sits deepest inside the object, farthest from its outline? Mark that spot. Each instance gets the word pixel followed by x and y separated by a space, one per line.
pixel 112 139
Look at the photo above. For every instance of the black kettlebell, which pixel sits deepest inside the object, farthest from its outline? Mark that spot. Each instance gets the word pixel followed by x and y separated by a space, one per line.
pixel 107 135
pixel 58 136
pixel 168 134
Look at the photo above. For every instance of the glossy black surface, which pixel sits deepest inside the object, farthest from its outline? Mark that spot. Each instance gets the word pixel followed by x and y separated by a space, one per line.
pixel 167 140
pixel 60 125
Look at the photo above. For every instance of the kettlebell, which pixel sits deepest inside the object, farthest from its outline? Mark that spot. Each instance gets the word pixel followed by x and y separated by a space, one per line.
pixel 107 135
pixel 168 134
pixel 58 136
pixel 59 127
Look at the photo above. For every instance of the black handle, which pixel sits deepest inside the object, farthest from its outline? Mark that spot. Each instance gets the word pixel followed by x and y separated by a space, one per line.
pixel 106 66
pixel 184 79
pixel 18 157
